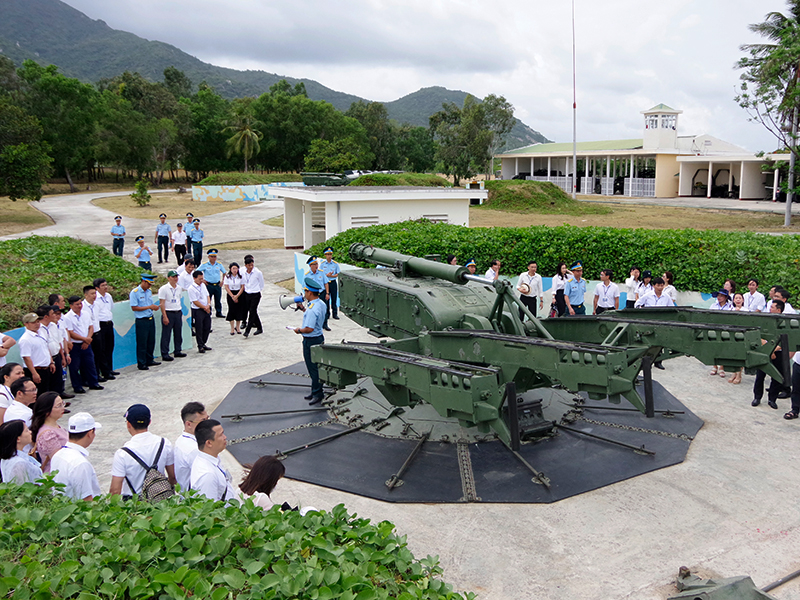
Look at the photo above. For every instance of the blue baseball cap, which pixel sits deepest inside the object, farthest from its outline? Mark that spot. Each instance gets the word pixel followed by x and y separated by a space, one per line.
pixel 138 415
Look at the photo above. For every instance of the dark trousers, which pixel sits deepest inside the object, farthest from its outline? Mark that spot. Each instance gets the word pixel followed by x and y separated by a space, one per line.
pixel 180 253
pixel 197 252
pixel 324 297
pixel 98 349
pixel 145 341
pixel 44 379
pixel 795 387
pixel 579 309
pixel 215 291
pixel 251 302
pixel 173 328
pixel 530 302
pixel 313 370
pixel 630 303
pixel 163 241
pixel 775 387
pixel 82 370
pixel 333 286
pixel 202 326
pixel 57 379
pixel 600 310
pixel 117 246
pixel 145 264
pixel 106 365
pixel 561 304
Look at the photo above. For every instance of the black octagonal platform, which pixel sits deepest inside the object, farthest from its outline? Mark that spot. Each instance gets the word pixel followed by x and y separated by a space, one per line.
pixel 460 469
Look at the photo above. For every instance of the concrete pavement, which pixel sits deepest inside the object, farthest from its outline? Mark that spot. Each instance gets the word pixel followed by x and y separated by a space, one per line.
pixel 729 509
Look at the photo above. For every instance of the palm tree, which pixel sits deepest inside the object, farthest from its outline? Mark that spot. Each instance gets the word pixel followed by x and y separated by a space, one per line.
pixel 245 128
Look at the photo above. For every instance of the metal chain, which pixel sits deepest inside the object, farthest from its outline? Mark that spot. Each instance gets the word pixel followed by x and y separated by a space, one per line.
pixel 266 434
pixel 680 436
pixel 282 372
pixel 467 476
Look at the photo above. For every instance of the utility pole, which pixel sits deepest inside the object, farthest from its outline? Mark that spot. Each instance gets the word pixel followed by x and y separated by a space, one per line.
pixel 574 115
pixel 787 220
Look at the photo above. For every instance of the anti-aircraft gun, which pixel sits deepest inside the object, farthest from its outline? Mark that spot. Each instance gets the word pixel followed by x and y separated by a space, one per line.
pixel 457 342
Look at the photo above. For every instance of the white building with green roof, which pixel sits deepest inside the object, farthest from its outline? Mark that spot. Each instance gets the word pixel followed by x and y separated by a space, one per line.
pixel 660 164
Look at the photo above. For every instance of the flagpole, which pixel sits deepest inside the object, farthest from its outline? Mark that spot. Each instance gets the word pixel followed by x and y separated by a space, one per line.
pixel 574 115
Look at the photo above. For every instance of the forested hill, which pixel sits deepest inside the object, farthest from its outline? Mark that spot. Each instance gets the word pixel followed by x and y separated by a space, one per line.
pixel 52 32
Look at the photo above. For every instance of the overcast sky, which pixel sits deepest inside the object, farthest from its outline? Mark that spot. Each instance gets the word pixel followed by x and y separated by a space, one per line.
pixel 631 54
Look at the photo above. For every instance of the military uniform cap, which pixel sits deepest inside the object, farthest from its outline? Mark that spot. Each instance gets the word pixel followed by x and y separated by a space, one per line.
pixel 212 251
pixel 313 259
pixel 139 238
pixel 196 221
pixel 311 285
pixel 471 263
pixel 117 218
pixel 577 265
pixel 148 277
pixel 189 215
pixel 162 216
pixel 328 250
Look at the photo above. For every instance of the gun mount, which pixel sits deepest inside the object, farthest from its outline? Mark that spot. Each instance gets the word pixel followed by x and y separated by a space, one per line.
pixel 457 342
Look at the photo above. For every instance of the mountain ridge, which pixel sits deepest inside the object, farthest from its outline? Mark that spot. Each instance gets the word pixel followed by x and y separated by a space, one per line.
pixel 52 32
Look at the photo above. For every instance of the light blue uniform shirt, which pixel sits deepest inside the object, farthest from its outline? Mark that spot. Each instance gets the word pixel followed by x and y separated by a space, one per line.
pixel 330 267
pixel 117 230
pixel 319 277
pixel 314 317
pixel 196 235
pixel 144 256
pixel 163 229
pixel 212 273
pixel 140 297
pixel 575 291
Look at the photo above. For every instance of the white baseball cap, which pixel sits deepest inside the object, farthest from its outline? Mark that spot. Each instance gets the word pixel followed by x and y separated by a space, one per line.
pixel 81 422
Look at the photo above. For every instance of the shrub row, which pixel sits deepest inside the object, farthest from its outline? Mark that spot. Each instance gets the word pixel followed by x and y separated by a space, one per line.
pixel 51 547
pixel 34 267
pixel 411 179
pixel 700 260
pixel 236 178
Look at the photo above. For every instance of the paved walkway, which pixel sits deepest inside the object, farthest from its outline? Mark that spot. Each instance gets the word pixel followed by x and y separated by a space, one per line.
pixel 699 202
pixel 729 509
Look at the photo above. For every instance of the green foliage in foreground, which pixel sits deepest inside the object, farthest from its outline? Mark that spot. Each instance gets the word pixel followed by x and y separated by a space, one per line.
pixel 409 179
pixel 236 178
pixel 140 196
pixel 536 197
pixel 700 260
pixel 52 547
pixel 34 267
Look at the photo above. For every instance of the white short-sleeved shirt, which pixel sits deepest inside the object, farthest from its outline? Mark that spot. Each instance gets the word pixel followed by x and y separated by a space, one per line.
pixel 650 299
pixel 94 313
pixel 171 296
pixel 17 410
pixel 253 282
pixel 559 284
pixel 632 285
pixel 185 452
pixel 78 324
pixel 33 345
pixel 755 302
pixel 491 274
pixel 2 341
pixel 234 283
pixel 534 283
pixel 5 396
pixel 185 280
pixel 20 468
pixel 198 292
pixel 179 237
pixel 54 336
pixel 75 471
pixel 670 291
pixel 104 306
pixel 145 445
pixel 606 294
pixel 211 479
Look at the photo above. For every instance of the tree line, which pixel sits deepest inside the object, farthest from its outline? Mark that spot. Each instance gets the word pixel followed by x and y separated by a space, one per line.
pixel 54 125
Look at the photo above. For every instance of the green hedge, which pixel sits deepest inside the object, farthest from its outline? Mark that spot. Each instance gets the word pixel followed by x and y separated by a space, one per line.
pixel 34 267
pixel 700 260
pixel 409 179
pixel 52 547
pixel 236 178
pixel 536 196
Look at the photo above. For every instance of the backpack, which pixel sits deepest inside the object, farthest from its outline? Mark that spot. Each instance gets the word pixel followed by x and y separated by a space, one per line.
pixel 156 486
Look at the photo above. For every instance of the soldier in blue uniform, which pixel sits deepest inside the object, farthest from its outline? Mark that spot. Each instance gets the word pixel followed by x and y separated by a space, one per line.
pixel 322 282
pixel 163 231
pixel 196 235
pixel 142 305
pixel 143 254
pixel 187 227
pixel 213 272
pixel 312 334
pixel 331 270
pixel 118 236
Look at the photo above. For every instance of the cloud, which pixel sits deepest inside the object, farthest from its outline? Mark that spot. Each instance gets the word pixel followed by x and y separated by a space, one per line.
pixel 630 54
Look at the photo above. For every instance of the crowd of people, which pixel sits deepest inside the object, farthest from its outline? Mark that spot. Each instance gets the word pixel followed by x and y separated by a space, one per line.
pixel 33 446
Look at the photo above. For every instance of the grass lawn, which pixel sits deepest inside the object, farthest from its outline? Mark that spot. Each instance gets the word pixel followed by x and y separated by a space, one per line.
pixel 274 221
pixel 264 244
pixel 174 205
pixel 19 216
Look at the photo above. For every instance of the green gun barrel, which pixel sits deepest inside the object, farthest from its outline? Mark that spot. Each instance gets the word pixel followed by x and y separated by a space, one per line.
pixel 409 265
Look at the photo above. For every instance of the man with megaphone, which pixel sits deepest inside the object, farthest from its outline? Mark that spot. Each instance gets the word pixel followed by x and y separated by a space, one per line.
pixel 311 331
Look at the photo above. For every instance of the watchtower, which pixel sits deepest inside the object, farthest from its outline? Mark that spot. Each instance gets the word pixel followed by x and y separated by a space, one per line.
pixel 661 127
